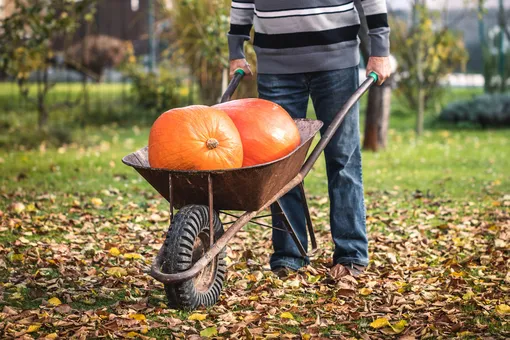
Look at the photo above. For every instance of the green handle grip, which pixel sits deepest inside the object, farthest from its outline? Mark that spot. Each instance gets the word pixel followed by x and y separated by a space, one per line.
pixel 374 76
pixel 240 71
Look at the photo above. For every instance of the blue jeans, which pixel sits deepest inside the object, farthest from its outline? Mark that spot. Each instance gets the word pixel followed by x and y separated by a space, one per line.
pixel 329 91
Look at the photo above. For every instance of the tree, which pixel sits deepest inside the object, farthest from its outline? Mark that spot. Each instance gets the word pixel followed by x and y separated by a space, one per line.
pixel 379 97
pixel 496 54
pixel 425 55
pixel 27 36
pixel 200 38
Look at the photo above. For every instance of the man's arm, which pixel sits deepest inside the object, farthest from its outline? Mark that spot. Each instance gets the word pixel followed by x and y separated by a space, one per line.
pixel 376 14
pixel 241 22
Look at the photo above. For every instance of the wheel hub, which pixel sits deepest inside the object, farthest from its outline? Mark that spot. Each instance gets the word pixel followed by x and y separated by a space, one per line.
pixel 205 279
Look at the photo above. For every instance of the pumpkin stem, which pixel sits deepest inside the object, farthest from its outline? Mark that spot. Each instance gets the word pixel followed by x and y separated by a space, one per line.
pixel 212 143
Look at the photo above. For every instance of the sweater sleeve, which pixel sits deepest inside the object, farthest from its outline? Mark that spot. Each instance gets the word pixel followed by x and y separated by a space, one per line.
pixel 241 21
pixel 378 28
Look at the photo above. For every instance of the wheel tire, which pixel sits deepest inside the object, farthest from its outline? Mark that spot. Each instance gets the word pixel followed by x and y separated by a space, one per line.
pixel 186 241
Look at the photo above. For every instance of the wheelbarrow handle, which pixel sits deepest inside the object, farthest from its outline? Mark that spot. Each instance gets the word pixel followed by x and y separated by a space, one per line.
pixel 232 87
pixel 337 121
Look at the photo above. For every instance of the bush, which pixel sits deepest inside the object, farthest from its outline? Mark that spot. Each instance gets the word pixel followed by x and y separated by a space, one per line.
pixel 154 92
pixel 486 110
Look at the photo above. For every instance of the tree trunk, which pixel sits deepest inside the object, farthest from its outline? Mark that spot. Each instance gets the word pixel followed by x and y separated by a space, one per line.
pixel 421 111
pixel 379 97
pixel 420 76
pixel 42 89
pixel 377 118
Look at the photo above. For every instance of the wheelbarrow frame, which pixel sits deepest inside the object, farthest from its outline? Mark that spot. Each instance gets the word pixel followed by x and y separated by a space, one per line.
pixel 216 247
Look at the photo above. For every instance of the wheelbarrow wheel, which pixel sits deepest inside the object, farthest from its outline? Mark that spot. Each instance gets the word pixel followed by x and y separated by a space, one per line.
pixel 186 242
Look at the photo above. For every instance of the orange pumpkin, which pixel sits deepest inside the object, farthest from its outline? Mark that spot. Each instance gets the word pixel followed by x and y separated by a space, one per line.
pixel 268 132
pixel 195 138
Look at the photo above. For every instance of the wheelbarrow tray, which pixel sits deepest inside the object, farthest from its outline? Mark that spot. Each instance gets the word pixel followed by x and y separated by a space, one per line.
pixel 246 189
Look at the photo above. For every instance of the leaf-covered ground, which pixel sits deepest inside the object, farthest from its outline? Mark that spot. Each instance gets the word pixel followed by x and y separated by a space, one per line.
pixel 78 232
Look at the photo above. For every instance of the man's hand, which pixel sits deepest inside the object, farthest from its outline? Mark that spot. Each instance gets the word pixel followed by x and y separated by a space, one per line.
pixel 242 64
pixel 381 66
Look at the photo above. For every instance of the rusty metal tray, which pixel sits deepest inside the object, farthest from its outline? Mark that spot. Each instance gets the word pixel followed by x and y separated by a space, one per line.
pixel 246 189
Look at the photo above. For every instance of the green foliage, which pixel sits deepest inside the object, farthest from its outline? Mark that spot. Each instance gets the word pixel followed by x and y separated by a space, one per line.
pixel 425 55
pixel 200 41
pixel 27 36
pixel 157 93
pixel 494 81
pixel 486 110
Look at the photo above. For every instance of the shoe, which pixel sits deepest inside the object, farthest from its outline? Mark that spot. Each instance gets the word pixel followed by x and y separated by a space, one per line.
pixel 282 272
pixel 341 270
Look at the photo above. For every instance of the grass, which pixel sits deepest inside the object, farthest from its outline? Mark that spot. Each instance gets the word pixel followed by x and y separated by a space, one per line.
pixel 430 186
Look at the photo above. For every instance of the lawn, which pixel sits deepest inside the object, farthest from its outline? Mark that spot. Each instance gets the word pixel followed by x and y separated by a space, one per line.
pixel 79 230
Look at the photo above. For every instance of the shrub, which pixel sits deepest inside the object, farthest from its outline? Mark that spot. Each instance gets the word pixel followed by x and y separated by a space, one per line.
pixel 154 92
pixel 485 110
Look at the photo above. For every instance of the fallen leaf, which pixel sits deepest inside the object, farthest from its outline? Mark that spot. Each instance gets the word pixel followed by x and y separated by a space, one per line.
pixel 114 251
pixel 365 291
pixel 117 271
pixel 17 257
pixel 209 332
pixel 286 315
pixel 139 317
pixel 131 335
pixel 54 301
pixel 399 326
pixel 503 309
pixel 133 256
pixel 33 328
pixel 17 207
pixel 63 309
pixel 96 201
pixel 197 316
pixel 468 295
pixel 51 336
pixel 379 323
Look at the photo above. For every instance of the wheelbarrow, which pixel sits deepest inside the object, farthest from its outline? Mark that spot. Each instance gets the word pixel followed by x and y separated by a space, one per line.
pixel 191 262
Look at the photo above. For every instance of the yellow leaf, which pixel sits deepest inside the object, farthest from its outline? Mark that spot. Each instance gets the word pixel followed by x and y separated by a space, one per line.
pixel 468 295
pixel 197 316
pixel 17 207
pixel 286 315
pixel 208 332
pixel 131 335
pixel 54 301
pixel 139 317
pixel 381 322
pixel 134 256
pixel 306 336
pixel 399 326
pixel 457 275
pixel 17 258
pixel 51 336
pixel 117 272
pixel 419 302
pixel 365 291
pixel 312 278
pixel 33 328
pixel 463 334
pixel 503 309
pixel 114 251
pixel 144 330
pixel 96 201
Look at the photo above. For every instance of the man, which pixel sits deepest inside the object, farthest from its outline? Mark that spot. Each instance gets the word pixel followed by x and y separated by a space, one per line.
pixel 311 49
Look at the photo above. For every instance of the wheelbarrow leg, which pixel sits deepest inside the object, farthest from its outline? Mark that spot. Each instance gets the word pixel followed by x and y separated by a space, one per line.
pixel 290 229
pixel 211 225
pixel 170 198
pixel 307 215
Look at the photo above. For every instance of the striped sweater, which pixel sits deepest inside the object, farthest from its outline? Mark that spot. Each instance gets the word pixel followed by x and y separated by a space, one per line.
pixel 297 36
